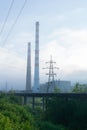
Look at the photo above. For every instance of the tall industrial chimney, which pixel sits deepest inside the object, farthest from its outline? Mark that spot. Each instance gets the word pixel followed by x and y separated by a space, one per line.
pixel 36 69
pixel 28 77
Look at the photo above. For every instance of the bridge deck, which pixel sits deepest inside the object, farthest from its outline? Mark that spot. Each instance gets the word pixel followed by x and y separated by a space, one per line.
pixel 67 95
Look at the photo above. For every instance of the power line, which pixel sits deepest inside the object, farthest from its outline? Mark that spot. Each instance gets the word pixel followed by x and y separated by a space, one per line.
pixel 15 21
pixel 9 10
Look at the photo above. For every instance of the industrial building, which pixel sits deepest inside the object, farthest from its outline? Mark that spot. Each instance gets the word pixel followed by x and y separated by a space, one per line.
pixel 60 85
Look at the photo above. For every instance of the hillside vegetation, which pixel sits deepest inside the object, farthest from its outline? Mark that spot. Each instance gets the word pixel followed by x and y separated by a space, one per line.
pixel 60 114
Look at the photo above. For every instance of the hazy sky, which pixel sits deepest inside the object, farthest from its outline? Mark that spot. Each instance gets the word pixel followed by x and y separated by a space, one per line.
pixel 63 34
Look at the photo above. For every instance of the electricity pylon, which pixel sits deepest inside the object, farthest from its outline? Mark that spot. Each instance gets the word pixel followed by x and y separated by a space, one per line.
pixel 51 74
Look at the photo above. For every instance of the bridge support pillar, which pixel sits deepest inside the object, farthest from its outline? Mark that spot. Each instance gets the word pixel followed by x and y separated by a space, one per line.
pixel 25 100
pixel 33 103
pixel 43 106
pixel 46 100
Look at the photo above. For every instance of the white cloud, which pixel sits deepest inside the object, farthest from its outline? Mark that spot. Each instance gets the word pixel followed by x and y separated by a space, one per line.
pixel 10 58
pixel 78 10
pixel 68 48
pixel 12 69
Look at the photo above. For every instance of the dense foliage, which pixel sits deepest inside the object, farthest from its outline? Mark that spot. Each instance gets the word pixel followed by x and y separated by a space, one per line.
pixel 71 113
pixel 60 114
pixel 14 116
pixel 80 88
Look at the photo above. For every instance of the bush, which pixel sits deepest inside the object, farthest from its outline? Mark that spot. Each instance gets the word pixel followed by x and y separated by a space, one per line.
pixel 49 126
pixel 69 113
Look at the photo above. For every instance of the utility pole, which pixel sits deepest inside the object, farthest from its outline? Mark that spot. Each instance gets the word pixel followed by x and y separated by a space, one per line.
pixel 51 74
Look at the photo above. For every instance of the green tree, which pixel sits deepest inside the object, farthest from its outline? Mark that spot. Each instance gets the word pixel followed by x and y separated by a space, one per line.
pixel 5 123
pixel 57 90
pixel 50 126
pixel 16 116
pixel 79 88
pixel 71 114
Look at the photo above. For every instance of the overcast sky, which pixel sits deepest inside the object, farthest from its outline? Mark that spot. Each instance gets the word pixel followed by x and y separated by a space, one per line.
pixel 63 34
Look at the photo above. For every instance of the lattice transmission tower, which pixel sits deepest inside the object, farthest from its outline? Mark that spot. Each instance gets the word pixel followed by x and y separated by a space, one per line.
pixel 51 75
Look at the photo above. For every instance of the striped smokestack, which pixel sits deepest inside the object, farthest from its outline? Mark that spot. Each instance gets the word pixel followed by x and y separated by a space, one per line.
pixel 36 69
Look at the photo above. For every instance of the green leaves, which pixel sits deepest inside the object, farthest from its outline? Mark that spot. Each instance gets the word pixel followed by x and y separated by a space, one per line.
pixel 14 116
pixel 5 123
pixel 71 113
pixel 80 88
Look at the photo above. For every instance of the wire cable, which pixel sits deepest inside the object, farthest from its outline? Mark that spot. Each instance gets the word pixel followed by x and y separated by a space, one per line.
pixel 9 10
pixel 15 21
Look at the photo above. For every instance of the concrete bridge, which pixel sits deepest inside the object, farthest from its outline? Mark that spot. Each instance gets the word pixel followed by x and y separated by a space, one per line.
pixel 65 96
